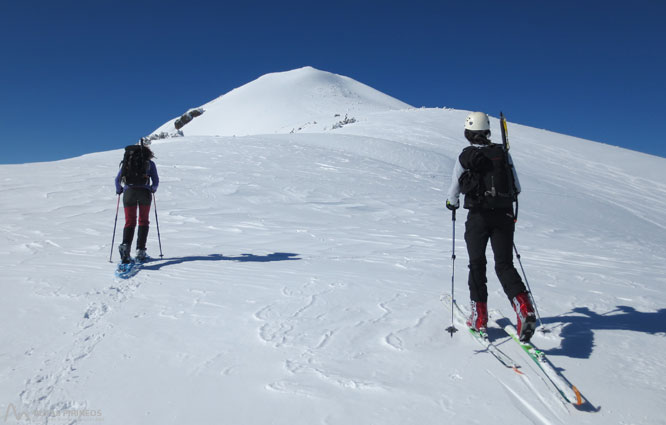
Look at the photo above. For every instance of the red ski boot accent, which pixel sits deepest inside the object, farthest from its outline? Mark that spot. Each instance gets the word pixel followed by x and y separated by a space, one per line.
pixel 526 319
pixel 478 320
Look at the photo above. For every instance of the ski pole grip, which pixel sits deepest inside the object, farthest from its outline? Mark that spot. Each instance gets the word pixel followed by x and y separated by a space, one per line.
pixel 453 215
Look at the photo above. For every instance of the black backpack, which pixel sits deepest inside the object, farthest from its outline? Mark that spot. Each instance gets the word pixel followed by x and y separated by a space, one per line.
pixel 487 182
pixel 135 166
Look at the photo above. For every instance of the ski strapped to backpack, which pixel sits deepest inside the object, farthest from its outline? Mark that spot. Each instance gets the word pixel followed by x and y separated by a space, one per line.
pixel 505 146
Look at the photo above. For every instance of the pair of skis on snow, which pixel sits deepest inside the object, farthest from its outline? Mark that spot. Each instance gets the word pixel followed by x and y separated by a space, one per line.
pixel 566 390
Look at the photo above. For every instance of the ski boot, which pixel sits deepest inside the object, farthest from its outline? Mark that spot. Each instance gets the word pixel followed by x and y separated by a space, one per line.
pixel 141 255
pixel 478 320
pixel 124 250
pixel 526 319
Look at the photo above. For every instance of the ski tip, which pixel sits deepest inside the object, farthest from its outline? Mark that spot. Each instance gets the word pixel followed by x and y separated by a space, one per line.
pixel 518 371
pixel 579 397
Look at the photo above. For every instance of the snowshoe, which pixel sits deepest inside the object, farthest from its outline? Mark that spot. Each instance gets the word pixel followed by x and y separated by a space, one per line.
pixel 127 270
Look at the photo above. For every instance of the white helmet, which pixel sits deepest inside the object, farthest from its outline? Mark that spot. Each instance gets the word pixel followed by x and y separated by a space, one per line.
pixel 477 121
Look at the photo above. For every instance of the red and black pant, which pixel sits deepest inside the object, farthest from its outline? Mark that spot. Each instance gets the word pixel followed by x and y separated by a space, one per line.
pixel 133 199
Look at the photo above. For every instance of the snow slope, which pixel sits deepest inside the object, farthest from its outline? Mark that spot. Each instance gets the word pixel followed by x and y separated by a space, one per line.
pixel 283 102
pixel 302 275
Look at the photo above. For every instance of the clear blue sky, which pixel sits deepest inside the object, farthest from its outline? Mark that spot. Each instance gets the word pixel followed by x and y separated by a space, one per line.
pixel 85 76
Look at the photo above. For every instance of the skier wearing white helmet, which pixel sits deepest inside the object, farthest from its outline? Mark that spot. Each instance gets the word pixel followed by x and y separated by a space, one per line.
pixel 484 173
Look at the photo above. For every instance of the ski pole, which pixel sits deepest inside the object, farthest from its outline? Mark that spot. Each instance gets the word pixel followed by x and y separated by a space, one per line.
pixel 452 329
pixel 113 239
pixel 159 239
pixel 529 290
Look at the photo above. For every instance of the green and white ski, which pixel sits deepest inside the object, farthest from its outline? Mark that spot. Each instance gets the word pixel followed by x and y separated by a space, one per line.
pixel 567 390
pixel 480 337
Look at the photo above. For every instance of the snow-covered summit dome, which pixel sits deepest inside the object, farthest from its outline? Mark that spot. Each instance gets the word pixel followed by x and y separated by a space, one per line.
pixel 281 102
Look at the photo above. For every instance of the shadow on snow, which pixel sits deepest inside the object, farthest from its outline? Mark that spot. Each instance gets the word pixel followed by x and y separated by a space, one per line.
pixel 578 330
pixel 157 264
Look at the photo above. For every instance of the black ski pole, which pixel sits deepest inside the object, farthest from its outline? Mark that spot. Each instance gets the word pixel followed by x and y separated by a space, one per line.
pixel 159 239
pixel 115 222
pixel 529 290
pixel 452 329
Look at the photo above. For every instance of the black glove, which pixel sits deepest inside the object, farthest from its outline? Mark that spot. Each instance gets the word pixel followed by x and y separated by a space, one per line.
pixel 451 206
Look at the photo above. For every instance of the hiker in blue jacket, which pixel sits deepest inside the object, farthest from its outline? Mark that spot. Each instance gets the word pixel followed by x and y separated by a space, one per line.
pixel 137 180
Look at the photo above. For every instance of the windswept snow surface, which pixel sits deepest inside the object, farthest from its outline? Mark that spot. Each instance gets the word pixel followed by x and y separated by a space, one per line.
pixel 301 284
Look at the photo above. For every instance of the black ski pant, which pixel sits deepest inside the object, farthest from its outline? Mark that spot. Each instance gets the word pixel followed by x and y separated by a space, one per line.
pixel 498 226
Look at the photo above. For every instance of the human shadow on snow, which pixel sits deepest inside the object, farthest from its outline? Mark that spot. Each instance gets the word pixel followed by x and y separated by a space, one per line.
pixel 579 327
pixel 157 264
pixel 578 330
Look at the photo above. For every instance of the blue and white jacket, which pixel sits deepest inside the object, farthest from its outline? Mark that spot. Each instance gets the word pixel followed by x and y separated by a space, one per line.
pixel 152 174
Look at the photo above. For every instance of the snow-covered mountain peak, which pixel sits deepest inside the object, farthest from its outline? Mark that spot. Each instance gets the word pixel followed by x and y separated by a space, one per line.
pixel 283 102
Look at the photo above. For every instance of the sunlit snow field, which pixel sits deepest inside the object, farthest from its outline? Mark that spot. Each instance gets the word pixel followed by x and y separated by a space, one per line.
pixel 302 276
